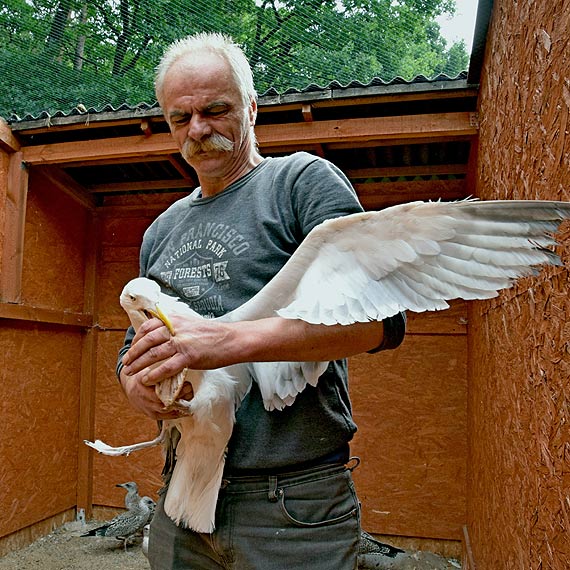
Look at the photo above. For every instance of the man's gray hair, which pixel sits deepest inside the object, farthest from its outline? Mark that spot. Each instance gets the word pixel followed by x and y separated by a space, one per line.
pixel 219 44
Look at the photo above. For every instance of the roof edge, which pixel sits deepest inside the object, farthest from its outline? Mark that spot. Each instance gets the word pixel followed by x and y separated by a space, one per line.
pixel 311 94
pixel 484 12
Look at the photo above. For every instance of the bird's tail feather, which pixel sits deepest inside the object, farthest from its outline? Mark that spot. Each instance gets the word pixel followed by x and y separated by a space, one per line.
pixel 200 454
pixel 193 491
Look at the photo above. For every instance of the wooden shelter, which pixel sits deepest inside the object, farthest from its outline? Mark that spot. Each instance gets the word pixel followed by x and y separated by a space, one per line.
pixel 461 430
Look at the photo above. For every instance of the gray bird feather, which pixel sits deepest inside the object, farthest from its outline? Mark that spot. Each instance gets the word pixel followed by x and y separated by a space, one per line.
pixel 132 497
pixel 126 524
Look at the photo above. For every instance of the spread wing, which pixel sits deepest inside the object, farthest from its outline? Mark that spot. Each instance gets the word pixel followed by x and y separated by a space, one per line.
pixel 414 256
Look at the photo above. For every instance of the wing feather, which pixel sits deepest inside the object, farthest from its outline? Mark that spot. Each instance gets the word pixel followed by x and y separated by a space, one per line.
pixel 414 256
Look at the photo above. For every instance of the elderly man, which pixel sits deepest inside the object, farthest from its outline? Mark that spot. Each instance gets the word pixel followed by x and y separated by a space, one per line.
pixel 287 500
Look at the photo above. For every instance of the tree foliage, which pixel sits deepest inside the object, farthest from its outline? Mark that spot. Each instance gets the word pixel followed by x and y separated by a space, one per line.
pixel 56 54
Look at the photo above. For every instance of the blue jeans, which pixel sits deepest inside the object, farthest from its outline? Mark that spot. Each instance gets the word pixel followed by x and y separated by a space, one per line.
pixel 308 519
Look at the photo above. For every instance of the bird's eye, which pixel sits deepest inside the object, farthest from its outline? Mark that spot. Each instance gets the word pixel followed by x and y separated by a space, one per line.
pixel 133 297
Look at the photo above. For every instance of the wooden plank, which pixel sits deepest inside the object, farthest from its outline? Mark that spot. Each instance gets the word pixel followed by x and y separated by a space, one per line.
pixel 8 141
pixel 452 321
pixel 15 218
pixel 378 195
pixel 25 536
pixel 67 184
pixel 39 385
pixel 184 169
pixel 42 315
pixel 400 128
pixel 121 160
pixel 88 376
pixel 420 139
pixel 117 422
pixel 396 128
pixel 410 405
pixel 141 185
pixel 472 171
pixel 391 171
pixel 103 149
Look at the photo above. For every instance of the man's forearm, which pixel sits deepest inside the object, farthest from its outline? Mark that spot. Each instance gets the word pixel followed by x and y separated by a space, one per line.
pixel 278 339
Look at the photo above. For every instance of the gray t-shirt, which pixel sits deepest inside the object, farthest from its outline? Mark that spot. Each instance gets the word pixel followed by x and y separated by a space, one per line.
pixel 215 253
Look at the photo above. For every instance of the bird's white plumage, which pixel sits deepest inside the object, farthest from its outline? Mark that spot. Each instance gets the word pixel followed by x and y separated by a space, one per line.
pixel 204 433
pixel 413 256
pixel 360 268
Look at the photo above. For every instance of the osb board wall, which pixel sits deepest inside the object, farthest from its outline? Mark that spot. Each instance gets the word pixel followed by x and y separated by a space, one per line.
pixel 410 406
pixel 117 423
pixel 39 395
pixel 519 488
pixel 40 366
pixel 412 441
pixel 122 224
pixel 54 248
pixel 4 164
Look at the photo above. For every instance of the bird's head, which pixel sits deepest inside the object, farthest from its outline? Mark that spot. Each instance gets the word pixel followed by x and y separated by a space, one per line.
pixel 129 486
pixel 140 299
pixel 149 503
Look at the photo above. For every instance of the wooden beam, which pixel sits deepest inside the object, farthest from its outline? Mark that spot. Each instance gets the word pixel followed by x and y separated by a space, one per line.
pixel 59 178
pixel 427 139
pixel 42 315
pixel 472 170
pixel 141 185
pixel 307 113
pixel 14 225
pixel 8 141
pixel 111 161
pixel 391 171
pixel 397 128
pixel 377 195
pixel 87 152
pixel 88 384
pixel 301 135
pixel 184 169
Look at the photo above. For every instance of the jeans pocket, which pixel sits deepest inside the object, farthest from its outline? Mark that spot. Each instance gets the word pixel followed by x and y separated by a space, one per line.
pixel 319 503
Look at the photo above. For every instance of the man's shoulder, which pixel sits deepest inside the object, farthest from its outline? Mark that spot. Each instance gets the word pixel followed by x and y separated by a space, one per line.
pixel 296 163
pixel 176 207
pixel 169 217
pixel 300 158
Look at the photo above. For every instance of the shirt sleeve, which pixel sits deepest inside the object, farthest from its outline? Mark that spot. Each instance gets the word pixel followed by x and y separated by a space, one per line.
pixel 321 191
pixel 126 345
pixel 394 332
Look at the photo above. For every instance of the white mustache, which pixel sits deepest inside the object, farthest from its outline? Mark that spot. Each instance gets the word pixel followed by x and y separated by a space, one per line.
pixel 214 142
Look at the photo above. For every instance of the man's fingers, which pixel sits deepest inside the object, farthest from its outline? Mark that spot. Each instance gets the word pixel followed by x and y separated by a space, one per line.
pixel 139 356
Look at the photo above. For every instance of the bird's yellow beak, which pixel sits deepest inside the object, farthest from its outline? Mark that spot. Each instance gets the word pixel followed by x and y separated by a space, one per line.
pixel 160 315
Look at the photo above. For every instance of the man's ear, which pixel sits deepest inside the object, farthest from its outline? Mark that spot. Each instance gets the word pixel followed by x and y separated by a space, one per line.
pixel 252 112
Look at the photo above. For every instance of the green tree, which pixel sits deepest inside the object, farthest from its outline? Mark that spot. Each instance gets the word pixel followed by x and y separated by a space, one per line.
pixel 58 53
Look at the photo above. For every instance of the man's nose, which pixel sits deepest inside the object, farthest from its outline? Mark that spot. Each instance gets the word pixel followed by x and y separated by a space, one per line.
pixel 198 127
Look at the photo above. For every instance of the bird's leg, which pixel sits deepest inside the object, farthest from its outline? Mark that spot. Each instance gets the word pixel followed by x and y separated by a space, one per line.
pixel 105 449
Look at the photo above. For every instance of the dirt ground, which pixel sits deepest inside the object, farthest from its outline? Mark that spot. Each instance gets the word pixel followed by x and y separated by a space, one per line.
pixel 65 549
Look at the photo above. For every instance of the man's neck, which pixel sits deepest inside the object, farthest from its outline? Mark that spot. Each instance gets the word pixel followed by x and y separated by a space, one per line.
pixel 210 186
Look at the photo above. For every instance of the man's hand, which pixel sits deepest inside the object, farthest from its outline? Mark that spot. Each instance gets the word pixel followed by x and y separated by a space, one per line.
pixel 155 354
pixel 144 398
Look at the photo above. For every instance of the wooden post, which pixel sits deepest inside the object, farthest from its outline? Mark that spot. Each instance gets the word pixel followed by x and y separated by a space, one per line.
pixel 88 375
pixel 12 253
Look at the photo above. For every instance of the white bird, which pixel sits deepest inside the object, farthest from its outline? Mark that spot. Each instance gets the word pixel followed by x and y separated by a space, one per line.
pixel 204 433
pixel 358 268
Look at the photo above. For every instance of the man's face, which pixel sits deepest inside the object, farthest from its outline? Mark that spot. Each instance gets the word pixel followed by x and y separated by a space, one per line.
pixel 207 116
